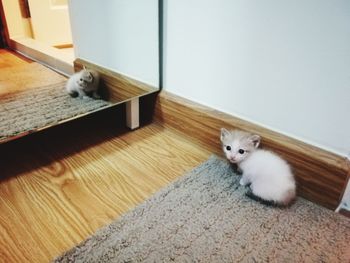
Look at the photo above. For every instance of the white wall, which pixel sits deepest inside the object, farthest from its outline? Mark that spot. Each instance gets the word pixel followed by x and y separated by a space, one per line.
pixel 282 64
pixel 118 34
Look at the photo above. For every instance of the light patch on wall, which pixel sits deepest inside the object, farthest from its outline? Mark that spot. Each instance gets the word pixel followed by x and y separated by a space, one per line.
pixel 59 4
pixel 345 202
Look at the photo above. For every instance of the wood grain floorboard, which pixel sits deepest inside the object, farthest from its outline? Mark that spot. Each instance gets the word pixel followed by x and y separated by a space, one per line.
pixel 59 186
pixel 18 73
pixel 12 59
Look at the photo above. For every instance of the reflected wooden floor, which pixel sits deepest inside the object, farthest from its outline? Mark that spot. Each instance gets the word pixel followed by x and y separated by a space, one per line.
pixel 18 73
pixel 12 59
pixel 59 186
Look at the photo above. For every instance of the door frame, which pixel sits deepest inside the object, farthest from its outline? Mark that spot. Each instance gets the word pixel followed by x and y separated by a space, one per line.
pixel 37 51
pixel 4 31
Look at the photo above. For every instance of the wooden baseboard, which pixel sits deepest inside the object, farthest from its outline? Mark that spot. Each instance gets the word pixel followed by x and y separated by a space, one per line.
pixel 345 212
pixel 321 175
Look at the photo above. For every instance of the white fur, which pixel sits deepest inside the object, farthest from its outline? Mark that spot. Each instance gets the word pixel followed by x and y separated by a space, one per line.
pixel 270 177
pixel 83 83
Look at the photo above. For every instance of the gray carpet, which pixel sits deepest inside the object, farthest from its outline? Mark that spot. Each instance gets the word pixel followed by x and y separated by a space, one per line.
pixel 206 217
pixel 36 108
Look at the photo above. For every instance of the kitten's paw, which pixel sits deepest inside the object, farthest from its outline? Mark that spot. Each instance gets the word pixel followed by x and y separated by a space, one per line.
pixel 242 182
pixel 73 94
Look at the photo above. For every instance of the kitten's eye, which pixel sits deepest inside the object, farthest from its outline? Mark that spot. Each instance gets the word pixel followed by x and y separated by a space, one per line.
pixel 240 151
pixel 81 79
pixel 228 148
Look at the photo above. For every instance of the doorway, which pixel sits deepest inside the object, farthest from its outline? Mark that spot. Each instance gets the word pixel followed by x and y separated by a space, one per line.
pixel 2 37
pixel 40 29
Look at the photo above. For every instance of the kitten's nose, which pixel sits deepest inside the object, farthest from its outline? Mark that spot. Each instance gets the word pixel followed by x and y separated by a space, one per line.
pixel 233 159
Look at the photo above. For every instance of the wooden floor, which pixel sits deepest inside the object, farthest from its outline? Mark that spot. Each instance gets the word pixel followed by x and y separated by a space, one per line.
pixel 11 59
pixel 18 73
pixel 61 185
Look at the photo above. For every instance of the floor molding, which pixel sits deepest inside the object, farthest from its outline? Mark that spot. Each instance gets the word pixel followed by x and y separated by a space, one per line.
pixel 321 175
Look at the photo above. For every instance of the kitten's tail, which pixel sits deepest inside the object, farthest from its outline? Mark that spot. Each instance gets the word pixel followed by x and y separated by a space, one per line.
pixel 73 94
pixel 272 203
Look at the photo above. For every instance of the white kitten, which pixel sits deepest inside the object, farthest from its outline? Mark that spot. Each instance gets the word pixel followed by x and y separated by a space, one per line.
pixel 270 177
pixel 84 83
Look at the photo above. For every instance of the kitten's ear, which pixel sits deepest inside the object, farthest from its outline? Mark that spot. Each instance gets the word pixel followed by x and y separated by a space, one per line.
pixel 224 134
pixel 255 139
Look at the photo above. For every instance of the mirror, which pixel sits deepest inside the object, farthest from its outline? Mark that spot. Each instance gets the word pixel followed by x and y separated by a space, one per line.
pixel 117 38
